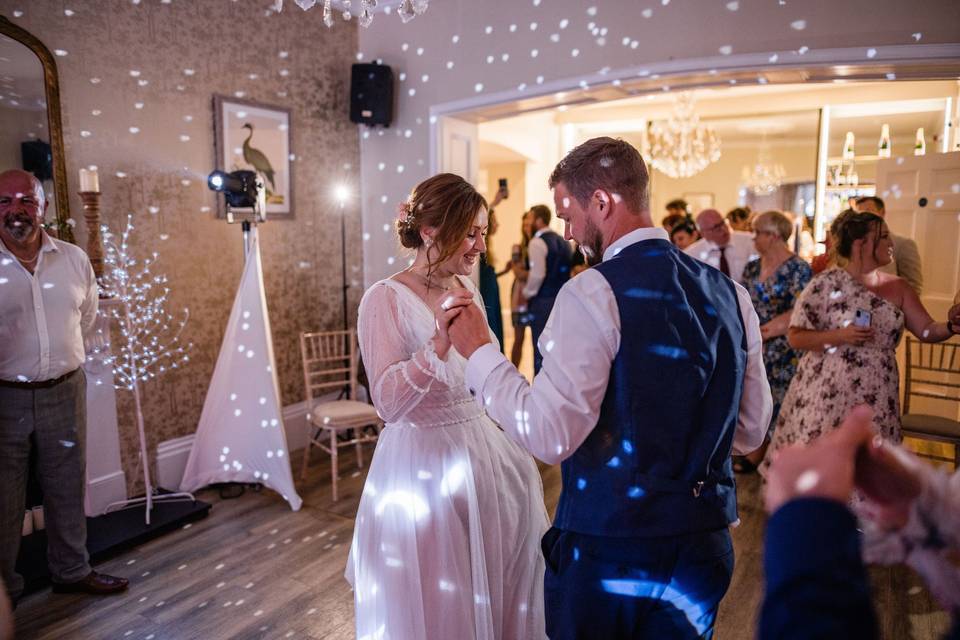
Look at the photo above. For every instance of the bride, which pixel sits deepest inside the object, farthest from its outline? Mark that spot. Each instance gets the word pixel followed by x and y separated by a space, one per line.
pixel 447 537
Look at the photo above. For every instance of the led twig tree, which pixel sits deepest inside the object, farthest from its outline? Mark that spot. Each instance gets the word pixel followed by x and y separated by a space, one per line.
pixel 150 343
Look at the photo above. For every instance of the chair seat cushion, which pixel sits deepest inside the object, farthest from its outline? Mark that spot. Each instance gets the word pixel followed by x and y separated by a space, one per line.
pixel 937 426
pixel 343 412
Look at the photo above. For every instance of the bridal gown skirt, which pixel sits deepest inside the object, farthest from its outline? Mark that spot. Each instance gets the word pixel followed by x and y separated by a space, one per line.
pixel 447 537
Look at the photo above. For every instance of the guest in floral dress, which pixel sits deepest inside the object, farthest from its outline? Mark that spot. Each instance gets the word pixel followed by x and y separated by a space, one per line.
pixel 774 282
pixel 844 364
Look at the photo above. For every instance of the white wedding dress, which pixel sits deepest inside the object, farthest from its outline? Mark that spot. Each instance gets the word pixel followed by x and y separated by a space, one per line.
pixel 447 538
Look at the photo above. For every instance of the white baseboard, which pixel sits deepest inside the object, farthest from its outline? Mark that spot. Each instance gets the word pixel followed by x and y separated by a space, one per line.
pixel 295 425
pixel 172 456
pixel 104 490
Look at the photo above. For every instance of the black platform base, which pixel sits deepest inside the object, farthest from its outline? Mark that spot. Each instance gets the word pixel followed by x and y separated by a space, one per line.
pixel 108 535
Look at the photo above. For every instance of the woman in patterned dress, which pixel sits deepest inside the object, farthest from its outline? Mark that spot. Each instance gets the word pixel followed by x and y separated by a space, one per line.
pixel 774 282
pixel 845 364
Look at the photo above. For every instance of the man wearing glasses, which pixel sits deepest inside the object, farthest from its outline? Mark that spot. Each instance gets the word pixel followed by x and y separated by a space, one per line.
pixel 720 246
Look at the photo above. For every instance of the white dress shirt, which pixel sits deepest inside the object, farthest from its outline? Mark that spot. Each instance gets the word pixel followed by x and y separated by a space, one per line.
pixel 552 417
pixel 739 252
pixel 537 256
pixel 44 315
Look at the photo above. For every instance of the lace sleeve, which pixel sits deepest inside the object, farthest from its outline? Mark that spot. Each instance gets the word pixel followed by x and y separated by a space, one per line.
pixel 398 379
pixel 931 533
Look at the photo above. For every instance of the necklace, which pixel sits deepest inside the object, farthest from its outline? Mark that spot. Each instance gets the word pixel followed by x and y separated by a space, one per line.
pixel 30 261
pixel 428 282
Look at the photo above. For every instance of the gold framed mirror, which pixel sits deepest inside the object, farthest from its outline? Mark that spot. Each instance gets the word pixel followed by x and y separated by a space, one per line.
pixel 30 86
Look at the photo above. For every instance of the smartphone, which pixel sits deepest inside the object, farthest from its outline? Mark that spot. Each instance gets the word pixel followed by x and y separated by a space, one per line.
pixel 862 318
pixel 516 255
pixel 503 183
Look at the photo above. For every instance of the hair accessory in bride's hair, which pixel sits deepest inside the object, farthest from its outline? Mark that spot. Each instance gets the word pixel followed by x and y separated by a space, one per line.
pixel 405 217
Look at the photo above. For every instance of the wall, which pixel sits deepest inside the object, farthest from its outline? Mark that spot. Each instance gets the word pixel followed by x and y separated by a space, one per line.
pixel 483 51
pixel 171 58
pixel 724 178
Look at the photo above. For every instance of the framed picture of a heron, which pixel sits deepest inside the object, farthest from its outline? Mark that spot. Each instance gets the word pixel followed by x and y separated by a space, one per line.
pixel 256 137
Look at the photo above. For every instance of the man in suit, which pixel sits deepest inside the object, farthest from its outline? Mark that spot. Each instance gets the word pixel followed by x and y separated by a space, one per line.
pixel 906 256
pixel 720 246
pixel 549 257
pixel 640 546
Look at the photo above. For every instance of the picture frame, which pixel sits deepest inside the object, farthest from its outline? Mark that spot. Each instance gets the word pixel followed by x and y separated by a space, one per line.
pixel 697 201
pixel 256 137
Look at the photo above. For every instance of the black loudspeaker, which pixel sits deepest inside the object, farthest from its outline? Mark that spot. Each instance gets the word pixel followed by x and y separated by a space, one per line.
pixel 371 94
pixel 37 159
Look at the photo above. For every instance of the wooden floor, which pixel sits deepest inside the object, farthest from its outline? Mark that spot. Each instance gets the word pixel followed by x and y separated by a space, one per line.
pixel 255 569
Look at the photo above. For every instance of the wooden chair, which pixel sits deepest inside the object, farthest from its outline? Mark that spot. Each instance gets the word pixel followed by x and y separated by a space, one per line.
pixel 330 367
pixel 933 371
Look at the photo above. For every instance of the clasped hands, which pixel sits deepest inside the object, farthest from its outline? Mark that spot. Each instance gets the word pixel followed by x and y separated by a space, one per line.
pixel 851 456
pixel 460 323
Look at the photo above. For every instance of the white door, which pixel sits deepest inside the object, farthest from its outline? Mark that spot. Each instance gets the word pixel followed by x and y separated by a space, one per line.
pixel 922 197
pixel 458 148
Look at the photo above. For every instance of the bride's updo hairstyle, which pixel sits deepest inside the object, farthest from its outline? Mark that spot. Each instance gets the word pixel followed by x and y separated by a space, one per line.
pixel 855 226
pixel 446 202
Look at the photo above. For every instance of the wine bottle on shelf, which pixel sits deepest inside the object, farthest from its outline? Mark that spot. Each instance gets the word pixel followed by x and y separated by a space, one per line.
pixel 883 150
pixel 848 153
pixel 920 146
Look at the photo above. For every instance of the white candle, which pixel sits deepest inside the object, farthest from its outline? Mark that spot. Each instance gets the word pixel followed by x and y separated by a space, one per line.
pixel 89 180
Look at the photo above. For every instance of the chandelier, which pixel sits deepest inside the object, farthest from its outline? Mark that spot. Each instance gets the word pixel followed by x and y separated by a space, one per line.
pixel 407 9
pixel 765 176
pixel 680 146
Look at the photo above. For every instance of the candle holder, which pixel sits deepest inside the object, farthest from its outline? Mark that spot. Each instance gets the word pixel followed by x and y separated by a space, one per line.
pixel 91 214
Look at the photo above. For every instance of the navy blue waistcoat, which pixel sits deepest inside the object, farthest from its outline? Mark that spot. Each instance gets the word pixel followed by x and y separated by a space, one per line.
pixel 658 461
pixel 558 267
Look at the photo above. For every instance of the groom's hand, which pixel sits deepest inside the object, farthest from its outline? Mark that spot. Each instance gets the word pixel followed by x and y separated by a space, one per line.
pixel 468 331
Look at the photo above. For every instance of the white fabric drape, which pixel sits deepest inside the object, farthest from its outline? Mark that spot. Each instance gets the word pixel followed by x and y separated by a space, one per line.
pixel 240 437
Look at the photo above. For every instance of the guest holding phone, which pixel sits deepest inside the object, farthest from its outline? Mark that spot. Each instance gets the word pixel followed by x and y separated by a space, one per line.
pixel 489 290
pixel 848 321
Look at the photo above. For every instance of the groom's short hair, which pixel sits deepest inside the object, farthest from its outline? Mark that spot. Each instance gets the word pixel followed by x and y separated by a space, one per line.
pixel 604 163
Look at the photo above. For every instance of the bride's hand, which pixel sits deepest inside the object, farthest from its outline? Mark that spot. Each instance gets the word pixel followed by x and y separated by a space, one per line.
pixel 446 308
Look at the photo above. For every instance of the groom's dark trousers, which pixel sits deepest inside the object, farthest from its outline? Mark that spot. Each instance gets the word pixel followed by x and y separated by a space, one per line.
pixel 640 547
pixel 657 588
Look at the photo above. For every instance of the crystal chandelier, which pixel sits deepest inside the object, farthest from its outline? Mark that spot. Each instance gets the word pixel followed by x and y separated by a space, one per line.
pixel 765 176
pixel 680 146
pixel 407 9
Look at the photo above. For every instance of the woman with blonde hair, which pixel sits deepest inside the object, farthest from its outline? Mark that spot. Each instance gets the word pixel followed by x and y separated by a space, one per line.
pixel 774 282
pixel 447 537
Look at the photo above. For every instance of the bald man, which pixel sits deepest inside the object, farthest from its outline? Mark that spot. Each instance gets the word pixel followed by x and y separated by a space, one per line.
pixel 720 246
pixel 48 299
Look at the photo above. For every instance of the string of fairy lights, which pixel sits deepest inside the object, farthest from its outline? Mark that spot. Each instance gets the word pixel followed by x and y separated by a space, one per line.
pixel 151 342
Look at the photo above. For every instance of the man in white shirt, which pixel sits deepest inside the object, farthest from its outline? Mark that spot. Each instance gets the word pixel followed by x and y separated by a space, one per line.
pixel 720 246
pixel 48 298
pixel 549 257
pixel 652 374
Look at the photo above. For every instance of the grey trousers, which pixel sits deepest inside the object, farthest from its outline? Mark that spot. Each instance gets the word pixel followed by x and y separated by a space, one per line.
pixel 54 421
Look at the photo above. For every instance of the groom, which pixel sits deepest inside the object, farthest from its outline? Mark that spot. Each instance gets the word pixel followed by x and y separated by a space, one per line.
pixel 652 374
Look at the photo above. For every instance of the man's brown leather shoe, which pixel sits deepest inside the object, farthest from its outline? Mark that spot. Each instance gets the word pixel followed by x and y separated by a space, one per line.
pixel 95 583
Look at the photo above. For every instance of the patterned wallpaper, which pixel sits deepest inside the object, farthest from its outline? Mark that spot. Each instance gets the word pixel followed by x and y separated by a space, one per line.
pixel 137 80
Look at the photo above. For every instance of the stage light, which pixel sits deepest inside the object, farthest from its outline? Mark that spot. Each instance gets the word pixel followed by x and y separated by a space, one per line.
pixel 240 188
pixel 341 193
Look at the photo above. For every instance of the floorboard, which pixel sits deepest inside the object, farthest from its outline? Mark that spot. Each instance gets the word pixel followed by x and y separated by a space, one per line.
pixel 254 570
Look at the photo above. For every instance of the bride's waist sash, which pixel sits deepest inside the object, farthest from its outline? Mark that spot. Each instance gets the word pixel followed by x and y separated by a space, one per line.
pixel 447 414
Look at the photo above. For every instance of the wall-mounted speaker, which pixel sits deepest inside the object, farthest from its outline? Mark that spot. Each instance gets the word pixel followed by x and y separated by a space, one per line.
pixel 37 159
pixel 371 94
